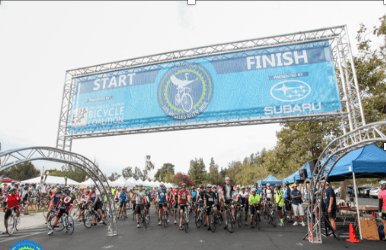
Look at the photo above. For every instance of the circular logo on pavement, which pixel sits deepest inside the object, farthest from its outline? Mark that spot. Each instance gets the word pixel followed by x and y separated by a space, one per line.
pixel 26 245
pixel 185 91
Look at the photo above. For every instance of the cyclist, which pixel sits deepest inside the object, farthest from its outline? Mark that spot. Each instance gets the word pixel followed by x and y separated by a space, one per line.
pixel 226 197
pixel 162 197
pixel 94 198
pixel 254 204
pixel 139 196
pixel 194 198
pixel 200 198
pixel 116 197
pixel 82 204
pixel 122 202
pixel 280 203
pixel 148 199
pixel 11 202
pixel 217 200
pixel 132 197
pixel 174 203
pixel 183 198
pixel 288 200
pixel 244 197
pixel 382 201
pixel 64 205
pixel 209 200
pixel 56 196
pixel 268 194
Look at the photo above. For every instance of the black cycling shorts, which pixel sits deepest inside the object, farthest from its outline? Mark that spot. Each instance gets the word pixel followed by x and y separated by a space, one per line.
pixel 227 202
pixel 218 207
pixel 182 206
pixel 279 208
pixel 332 215
pixel 122 204
pixel 61 212
pixel 287 205
pixel 98 205
pixel 208 209
pixel 255 209
pixel 138 208
pixel 133 202
pixel 8 213
pixel 383 216
pixel 162 204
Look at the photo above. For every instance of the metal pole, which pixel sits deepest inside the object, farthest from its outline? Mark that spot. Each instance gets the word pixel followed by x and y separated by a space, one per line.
pixel 357 204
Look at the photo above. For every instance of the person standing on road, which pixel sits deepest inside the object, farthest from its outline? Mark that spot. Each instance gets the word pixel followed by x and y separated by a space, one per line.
pixel 254 204
pixel 330 203
pixel 162 197
pixel 209 200
pixel 183 198
pixel 287 200
pixel 297 205
pixel 227 194
pixel 94 198
pixel 280 203
pixel 11 202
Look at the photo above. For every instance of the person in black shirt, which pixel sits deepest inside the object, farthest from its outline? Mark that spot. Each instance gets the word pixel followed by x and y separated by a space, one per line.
pixel 209 198
pixel 287 200
pixel 330 203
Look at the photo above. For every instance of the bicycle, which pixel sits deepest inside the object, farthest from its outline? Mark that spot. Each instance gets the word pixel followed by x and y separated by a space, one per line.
pixel 239 214
pixel 255 219
pixel 272 214
pixel 163 217
pixel 142 216
pixel 212 219
pixel 199 216
pixel 230 218
pixel 67 223
pixel 185 218
pixel 13 222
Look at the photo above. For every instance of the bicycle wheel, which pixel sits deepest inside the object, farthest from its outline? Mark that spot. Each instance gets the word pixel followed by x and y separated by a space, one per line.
pixel 45 210
pixel 265 214
pixel 164 219
pixel 60 225
pixel 70 225
pixel 273 218
pixel 186 221
pixel 143 220
pixel 198 220
pixel 219 219
pixel 88 219
pixel 231 222
pixel 11 224
pixel 147 218
pixel 212 222
pixel 238 218
pixel 134 213
pixel 254 221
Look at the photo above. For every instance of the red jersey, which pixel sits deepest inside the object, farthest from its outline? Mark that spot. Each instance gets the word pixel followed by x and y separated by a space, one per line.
pixel 183 196
pixel 12 201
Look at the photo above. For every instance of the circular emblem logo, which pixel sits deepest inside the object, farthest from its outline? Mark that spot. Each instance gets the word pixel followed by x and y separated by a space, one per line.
pixel 26 245
pixel 290 90
pixel 185 91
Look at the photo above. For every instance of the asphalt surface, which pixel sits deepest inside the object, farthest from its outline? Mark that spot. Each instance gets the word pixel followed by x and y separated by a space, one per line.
pixel 158 237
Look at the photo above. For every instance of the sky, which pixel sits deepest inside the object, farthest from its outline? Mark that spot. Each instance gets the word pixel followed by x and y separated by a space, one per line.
pixel 39 41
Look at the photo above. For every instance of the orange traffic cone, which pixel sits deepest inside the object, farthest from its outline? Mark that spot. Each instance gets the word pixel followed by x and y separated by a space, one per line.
pixel 353 237
pixel 312 237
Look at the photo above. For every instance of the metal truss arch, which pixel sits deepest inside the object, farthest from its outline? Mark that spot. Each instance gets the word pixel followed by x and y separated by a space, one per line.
pixel 13 157
pixel 335 150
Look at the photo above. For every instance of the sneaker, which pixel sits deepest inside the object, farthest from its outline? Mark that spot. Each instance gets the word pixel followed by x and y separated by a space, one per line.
pixel 175 222
pixel 226 225
pixel 303 224
pixel 295 224
pixel 246 224
pixel 208 229
pixel 168 221
pixel 102 222
pixel 45 223
pixel 159 223
pixel 51 232
pixel 281 224
pixel 137 225
pixel 94 224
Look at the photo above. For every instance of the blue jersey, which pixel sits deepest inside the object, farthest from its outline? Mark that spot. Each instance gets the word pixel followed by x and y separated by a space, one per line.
pixel 162 195
pixel 216 200
pixel 123 197
pixel 194 194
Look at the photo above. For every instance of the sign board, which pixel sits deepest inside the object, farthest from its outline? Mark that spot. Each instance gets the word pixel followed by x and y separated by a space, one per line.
pixel 273 82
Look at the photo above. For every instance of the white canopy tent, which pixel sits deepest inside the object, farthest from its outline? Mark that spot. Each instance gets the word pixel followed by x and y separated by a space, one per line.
pixel 119 182
pixel 52 180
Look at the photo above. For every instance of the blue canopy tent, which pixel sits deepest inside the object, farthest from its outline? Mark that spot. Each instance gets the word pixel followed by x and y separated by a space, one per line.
pixel 366 162
pixel 295 177
pixel 272 180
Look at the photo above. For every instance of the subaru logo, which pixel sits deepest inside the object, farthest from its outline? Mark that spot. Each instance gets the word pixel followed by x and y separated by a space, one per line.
pixel 290 90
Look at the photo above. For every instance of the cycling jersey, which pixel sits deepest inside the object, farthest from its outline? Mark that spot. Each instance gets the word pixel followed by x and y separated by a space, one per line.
pixel 161 195
pixel 84 198
pixel 139 196
pixel 92 196
pixel 278 196
pixel 210 198
pixel 228 189
pixel 235 196
pixel 12 200
pixel 123 197
pixel 65 203
pixel 269 193
pixel 194 194
pixel 183 196
pixel 56 197
pixel 254 199
pixel 201 196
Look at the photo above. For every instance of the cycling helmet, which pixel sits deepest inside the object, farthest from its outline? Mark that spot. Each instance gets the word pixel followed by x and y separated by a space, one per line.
pixel 202 186
pixel 59 187
pixel 140 185
pixel 183 184
pixel 209 186
pixel 9 187
pixel 268 184
pixel 193 187
pixel 39 187
pixel 13 190
pixel 161 185
pixel 227 179
pixel 67 191
pixel 214 186
pixel 278 186
pixel 238 188
pixel 118 188
pixel 287 183
pixel 93 186
pixel 253 190
pixel 242 187
pixel 13 182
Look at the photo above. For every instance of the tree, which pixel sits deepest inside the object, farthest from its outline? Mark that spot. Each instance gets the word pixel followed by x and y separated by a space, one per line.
pixel 197 172
pixel 114 176
pixel 21 172
pixel 214 177
pixel 180 178
pixel 71 172
pixel 127 172
pixel 162 172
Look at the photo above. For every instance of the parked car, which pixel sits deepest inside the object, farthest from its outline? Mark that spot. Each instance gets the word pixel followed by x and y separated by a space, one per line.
pixel 374 192
pixel 364 192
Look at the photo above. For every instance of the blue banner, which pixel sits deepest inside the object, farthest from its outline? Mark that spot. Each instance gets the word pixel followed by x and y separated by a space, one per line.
pixel 281 81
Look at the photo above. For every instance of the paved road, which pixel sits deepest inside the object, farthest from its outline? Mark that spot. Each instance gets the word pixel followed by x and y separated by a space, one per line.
pixel 156 237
